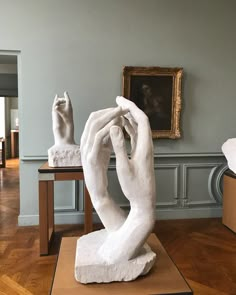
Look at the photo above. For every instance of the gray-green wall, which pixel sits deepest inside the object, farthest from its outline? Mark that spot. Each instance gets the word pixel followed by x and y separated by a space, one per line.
pixel 81 46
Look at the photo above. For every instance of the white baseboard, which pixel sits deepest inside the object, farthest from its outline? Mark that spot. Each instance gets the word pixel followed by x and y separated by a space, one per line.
pixel 161 214
pixel 28 220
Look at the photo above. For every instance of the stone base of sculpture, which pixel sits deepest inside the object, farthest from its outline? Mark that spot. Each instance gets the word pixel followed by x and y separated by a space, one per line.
pixel 90 268
pixel 64 156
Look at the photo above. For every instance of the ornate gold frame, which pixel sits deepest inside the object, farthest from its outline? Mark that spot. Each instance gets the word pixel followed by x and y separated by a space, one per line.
pixel 175 81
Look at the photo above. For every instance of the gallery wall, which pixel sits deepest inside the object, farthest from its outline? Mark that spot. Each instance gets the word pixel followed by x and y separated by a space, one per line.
pixel 82 45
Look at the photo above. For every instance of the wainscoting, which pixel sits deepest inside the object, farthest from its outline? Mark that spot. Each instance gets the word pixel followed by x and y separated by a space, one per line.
pixel 187 186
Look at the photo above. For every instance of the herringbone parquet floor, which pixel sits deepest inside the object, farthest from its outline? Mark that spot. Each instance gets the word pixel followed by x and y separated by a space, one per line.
pixel 203 249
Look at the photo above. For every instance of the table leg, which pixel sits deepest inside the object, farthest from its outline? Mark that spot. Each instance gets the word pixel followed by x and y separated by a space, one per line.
pixel 46 215
pixel 43 217
pixel 50 210
pixel 88 212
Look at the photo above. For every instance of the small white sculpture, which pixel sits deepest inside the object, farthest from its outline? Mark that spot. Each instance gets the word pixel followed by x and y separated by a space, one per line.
pixel 65 151
pixel 119 252
pixel 229 150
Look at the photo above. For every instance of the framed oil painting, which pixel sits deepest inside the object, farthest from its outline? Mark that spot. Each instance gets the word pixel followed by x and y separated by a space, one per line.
pixel 156 91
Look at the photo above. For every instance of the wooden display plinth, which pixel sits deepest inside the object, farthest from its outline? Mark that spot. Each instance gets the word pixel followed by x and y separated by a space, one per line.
pixel 47 176
pixel 164 278
pixel 229 200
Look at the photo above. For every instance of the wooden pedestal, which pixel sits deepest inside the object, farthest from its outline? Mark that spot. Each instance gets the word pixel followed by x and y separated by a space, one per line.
pixel 47 176
pixel 164 278
pixel 229 200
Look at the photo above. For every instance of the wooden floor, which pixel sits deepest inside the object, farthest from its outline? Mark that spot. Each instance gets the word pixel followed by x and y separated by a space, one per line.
pixel 203 249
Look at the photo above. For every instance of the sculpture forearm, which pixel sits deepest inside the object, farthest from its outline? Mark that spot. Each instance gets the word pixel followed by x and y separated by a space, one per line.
pixel 125 243
pixel 111 215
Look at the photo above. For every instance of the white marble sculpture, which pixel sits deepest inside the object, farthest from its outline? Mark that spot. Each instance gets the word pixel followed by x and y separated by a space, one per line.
pixel 65 152
pixel 118 252
pixel 229 150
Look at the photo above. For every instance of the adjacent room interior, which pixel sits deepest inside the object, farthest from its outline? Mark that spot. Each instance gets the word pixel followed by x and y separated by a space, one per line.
pixel 86 48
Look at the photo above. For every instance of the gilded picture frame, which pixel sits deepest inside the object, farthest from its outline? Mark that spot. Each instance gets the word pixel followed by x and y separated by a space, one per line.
pixel 156 91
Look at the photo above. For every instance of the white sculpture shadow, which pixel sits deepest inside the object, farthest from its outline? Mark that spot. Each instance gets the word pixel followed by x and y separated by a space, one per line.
pixel 119 252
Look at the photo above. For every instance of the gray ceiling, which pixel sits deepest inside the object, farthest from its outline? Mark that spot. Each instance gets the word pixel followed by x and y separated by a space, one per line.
pixel 8 59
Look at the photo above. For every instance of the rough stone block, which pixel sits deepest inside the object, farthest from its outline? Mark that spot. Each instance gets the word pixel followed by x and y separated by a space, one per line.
pixel 64 156
pixel 90 268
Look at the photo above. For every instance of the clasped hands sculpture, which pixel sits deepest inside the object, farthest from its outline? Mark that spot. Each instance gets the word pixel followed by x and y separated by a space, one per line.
pixel 119 251
pixel 124 236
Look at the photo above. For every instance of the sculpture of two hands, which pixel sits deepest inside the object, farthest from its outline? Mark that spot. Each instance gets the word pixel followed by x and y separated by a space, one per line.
pixel 136 176
pixel 124 236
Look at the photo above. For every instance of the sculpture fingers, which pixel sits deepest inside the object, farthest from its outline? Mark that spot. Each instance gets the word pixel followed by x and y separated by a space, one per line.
pixel 55 101
pixel 56 116
pixel 102 139
pixel 93 116
pixel 104 119
pixel 62 104
pixel 136 113
pixel 131 120
pixel 132 134
pixel 59 105
pixel 98 122
pixel 118 143
pixel 139 117
pixel 144 138
pixel 67 98
pixel 68 102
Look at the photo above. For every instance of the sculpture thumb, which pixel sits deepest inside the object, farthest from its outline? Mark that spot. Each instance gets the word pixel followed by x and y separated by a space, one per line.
pixel 118 143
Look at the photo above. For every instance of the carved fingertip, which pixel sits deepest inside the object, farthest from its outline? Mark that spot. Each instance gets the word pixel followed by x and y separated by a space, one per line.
pixel 114 131
pixel 118 98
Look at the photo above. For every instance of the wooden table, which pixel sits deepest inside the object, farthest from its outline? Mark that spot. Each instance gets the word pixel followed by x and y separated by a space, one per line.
pixel 47 176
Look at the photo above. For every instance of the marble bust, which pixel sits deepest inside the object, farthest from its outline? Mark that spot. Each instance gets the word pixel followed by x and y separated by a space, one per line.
pixel 118 252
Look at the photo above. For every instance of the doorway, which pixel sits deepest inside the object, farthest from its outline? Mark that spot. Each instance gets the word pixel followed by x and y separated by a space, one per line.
pixel 9 114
